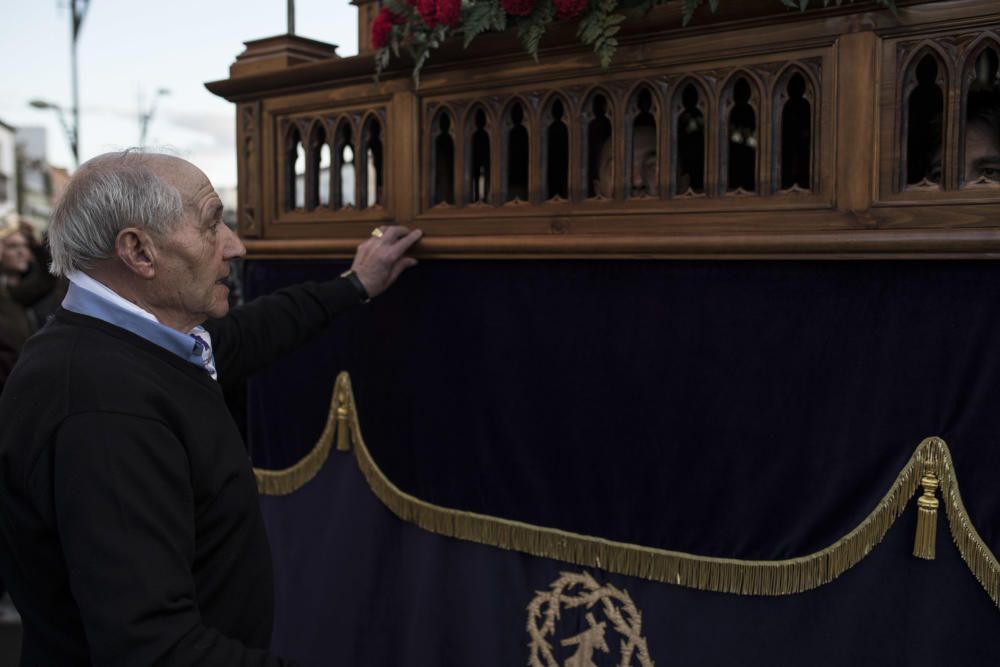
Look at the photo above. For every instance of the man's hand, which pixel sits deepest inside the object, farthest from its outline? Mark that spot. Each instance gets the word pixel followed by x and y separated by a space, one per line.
pixel 380 259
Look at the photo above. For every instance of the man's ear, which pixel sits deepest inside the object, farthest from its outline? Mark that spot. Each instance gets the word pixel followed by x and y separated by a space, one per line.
pixel 136 250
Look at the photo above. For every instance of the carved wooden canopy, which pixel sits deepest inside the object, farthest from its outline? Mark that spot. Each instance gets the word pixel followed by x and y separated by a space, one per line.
pixel 757 132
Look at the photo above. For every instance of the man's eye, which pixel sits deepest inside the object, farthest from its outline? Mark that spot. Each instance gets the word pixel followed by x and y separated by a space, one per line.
pixel 991 172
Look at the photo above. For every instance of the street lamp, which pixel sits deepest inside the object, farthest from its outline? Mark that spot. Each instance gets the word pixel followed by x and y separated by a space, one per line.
pixel 145 117
pixel 70 130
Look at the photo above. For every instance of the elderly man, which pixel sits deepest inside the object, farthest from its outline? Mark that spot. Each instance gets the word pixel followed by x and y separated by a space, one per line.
pixel 129 527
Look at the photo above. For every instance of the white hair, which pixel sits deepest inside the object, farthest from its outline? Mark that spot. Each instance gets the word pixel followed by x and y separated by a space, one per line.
pixel 107 194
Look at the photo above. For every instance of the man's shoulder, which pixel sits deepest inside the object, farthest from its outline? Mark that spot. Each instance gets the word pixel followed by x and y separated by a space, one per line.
pixel 81 360
pixel 65 345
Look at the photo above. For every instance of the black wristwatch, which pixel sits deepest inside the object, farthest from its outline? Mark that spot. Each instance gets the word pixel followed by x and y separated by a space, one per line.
pixel 356 283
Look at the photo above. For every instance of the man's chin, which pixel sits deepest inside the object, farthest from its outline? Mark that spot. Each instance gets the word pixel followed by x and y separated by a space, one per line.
pixel 220 307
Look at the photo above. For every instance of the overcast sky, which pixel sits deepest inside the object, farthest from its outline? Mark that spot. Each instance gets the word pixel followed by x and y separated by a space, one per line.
pixel 129 48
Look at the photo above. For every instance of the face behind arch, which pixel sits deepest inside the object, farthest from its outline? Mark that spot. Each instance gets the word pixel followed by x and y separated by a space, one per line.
pixel 643 172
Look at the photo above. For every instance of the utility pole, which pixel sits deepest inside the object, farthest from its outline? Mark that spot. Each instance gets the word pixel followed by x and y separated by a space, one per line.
pixel 146 115
pixel 78 11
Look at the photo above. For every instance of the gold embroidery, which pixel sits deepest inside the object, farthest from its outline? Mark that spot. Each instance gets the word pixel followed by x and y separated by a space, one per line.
pixel 572 591
pixel 725 575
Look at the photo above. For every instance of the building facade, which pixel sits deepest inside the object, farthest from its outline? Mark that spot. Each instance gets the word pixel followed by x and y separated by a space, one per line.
pixel 8 170
pixel 35 194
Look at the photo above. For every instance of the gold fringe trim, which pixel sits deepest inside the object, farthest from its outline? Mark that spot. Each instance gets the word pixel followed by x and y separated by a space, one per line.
pixel 288 480
pixel 724 575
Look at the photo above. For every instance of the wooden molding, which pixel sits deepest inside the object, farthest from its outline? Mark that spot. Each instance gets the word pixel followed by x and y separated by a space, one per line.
pixel 279 53
pixel 866 244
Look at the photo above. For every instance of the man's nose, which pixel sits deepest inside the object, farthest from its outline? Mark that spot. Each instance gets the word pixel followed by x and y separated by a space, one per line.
pixel 233 245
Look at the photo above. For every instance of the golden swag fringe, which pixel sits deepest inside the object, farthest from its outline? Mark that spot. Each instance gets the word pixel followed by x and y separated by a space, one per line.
pixel 932 458
pixel 288 480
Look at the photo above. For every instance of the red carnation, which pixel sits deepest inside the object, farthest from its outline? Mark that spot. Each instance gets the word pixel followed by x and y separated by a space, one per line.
pixel 439 12
pixel 567 9
pixel 428 11
pixel 448 12
pixel 382 28
pixel 518 7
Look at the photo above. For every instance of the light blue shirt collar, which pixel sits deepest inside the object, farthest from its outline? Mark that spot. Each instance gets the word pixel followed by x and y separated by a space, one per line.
pixel 85 302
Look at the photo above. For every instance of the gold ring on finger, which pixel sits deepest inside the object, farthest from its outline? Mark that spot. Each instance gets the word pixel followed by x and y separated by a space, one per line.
pixel 377 233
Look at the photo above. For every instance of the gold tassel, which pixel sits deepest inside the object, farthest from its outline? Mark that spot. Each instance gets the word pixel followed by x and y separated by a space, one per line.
pixel 343 422
pixel 927 505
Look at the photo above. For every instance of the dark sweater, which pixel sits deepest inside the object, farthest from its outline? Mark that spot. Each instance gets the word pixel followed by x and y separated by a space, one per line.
pixel 130 532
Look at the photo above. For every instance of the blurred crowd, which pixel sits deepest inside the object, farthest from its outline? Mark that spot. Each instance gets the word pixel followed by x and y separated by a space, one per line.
pixel 28 295
pixel 28 292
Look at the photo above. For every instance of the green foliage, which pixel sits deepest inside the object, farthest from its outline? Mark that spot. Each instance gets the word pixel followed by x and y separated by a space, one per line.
pixel 426 41
pixel 479 17
pixel 531 28
pixel 599 26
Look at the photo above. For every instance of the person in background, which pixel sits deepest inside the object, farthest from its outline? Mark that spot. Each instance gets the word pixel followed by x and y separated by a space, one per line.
pixel 24 282
pixel 982 135
pixel 642 182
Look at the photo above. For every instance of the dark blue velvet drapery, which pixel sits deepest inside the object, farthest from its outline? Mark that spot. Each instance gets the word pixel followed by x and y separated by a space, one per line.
pixel 751 410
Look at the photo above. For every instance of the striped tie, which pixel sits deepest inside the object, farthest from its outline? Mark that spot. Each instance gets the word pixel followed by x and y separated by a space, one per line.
pixel 203 346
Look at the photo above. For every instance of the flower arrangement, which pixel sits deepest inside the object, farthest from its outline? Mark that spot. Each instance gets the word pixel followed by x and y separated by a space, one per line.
pixel 420 26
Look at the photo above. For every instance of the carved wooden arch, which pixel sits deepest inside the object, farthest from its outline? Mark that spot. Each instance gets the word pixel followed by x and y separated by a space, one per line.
pixel 585 116
pixel 632 97
pixel 907 84
pixel 432 133
pixel 631 108
pixel 779 93
pixel 917 53
pixel 490 126
pixel 729 80
pixel 725 107
pixel 707 106
pixel 913 60
pixel 316 139
pixel 292 138
pixel 375 116
pixel 544 121
pixel 790 69
pixel 986 41
pixel 337 143
pixel 505 126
